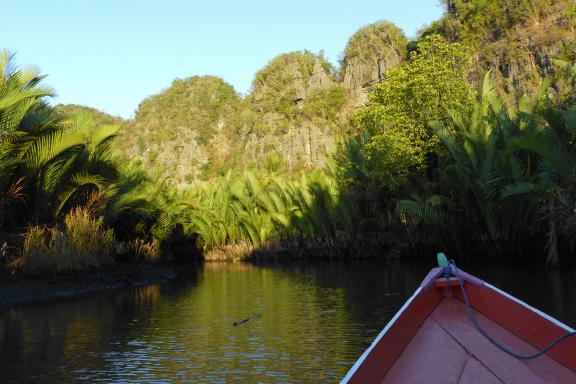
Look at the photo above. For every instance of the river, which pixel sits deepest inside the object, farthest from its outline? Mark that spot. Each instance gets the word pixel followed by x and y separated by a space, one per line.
pixel 316 319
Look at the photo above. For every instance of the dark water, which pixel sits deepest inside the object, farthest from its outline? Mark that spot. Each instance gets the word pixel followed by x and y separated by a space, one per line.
pixel 317 318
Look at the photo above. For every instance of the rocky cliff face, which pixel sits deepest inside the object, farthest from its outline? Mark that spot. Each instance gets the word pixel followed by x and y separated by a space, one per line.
pixel 515 39
pixel 302 104
pixel 298 105
pixel 183 128
pixel 302 147
pixel 521 60
pixel 370 52
pixel 199 127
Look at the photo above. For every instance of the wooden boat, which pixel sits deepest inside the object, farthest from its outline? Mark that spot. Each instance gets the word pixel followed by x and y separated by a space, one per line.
pixel 433 338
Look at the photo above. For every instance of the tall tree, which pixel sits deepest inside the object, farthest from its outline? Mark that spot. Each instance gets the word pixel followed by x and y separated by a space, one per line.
pixel 423 89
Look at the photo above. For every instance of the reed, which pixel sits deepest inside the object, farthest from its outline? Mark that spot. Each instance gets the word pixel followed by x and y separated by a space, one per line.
pixel 146 251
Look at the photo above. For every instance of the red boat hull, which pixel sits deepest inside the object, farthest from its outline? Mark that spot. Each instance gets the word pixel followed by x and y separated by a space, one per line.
pixel 432 340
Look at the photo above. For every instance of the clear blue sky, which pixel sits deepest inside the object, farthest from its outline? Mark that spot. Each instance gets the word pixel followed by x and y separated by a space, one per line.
pixel 111 54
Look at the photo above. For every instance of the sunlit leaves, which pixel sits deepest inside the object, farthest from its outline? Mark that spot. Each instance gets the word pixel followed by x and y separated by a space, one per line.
pixel 255 210
pixel 419 91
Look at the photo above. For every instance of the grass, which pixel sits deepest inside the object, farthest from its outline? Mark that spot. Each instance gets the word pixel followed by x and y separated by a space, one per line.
pixel 84 243
pixel 146 251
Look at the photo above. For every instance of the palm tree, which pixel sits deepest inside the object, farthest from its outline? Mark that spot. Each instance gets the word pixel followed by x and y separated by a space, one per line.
pixel 554 183
pixel 22 112
pixel 53 164
pixel 471 201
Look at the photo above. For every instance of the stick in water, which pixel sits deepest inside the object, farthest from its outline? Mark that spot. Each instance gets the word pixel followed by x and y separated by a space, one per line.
pixel 246 320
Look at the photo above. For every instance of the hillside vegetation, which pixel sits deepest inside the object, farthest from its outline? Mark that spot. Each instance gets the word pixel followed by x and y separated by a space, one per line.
pixel 199 128
pixel 94 117
pixel 68 201
pixel 370 52
pixel 295 109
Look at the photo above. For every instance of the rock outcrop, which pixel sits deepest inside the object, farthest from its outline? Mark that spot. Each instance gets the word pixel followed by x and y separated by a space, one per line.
pixel 183 128
pixel 517 40
pixel 370 52
pixel 289 116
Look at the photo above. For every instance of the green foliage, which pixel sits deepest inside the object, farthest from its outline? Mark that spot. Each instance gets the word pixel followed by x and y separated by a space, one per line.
pixel 508 182
pixel 325 104
pixel 277 74
pixel 196 103
pixel 69 162
pixel 515 39
pixel 565 78
pixel 199 128
pixel 483 165
pixel 52 163
pixel 29 141
pixel 135 204
pixel 282 84
pixel 419 91
pixel 500 180
pixel 273 163
pixel 393 155
pixel 570 13
pixel 181 124
pixel 256 210
pixel 55 164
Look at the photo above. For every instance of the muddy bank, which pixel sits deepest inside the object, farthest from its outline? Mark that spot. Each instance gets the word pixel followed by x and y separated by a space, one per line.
pixel 17 288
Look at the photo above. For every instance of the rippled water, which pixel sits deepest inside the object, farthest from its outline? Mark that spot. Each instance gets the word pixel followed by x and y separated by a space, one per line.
pixel 317 318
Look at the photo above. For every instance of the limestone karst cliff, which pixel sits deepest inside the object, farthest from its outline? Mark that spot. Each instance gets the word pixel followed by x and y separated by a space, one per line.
pixel 299 104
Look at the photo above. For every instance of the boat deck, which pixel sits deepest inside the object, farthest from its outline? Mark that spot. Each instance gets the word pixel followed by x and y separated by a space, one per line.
pixel 449 349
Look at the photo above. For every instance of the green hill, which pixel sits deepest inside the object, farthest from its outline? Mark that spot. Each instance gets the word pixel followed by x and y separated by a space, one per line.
pixel 184 129
pixel 97 118
pixel 294 111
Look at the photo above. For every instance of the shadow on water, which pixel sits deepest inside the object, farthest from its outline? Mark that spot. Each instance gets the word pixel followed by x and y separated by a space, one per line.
pixel 317 318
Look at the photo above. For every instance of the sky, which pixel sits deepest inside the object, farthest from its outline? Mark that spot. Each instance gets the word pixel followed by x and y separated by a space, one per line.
pixel 111 54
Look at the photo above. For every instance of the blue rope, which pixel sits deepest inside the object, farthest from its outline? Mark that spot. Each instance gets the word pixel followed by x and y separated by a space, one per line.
pixel 490 338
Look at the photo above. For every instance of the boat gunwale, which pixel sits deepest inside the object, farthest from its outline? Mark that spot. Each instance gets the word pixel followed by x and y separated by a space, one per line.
pixel 382 333
pixel 531 308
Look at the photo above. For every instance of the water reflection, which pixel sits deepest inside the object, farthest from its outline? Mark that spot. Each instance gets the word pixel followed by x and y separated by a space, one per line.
pixel 317 318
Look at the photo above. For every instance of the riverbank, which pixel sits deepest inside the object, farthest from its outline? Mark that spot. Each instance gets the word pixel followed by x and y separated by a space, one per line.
pixel 17 288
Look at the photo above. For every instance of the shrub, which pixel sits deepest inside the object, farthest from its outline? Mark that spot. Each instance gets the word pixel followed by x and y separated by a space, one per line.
pixel 83 244
pixel 147 251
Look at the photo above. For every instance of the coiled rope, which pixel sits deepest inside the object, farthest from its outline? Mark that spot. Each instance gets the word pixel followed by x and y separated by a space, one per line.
pixel 454 270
